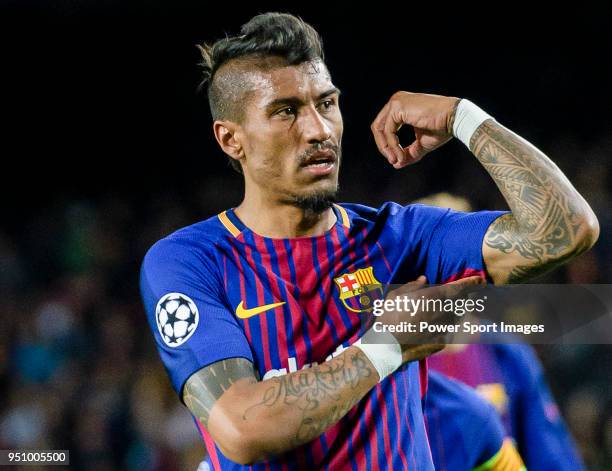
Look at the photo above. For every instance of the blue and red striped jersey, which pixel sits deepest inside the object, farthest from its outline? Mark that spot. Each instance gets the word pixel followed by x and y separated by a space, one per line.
pixel 510 376
pixel 203 287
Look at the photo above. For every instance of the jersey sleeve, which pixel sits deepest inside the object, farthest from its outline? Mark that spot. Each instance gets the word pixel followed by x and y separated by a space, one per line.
pixel 185 306
pixel 447 244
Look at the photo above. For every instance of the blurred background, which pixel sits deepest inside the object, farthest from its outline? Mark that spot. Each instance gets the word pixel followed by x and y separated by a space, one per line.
pixel 106 147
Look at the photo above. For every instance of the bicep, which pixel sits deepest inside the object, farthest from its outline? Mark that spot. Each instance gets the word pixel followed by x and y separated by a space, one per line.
pixel 206 386
pixel 511 256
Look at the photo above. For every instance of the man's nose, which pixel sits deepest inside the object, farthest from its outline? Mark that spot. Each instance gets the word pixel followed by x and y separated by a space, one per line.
pixel 316 129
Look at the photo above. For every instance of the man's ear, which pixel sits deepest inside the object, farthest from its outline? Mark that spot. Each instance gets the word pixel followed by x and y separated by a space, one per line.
pixel 227 134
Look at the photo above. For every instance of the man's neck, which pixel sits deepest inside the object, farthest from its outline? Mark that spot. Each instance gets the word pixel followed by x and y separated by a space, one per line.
pixel 282 221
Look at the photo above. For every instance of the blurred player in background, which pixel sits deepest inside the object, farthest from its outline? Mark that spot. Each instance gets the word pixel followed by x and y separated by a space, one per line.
pixel 465 433
pixel 256 312
pixel 511 378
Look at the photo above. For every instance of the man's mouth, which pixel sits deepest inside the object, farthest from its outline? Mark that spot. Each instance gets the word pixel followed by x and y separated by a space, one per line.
pixel 321 162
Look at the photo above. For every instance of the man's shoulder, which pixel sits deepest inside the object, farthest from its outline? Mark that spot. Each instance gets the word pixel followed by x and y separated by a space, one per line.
pixel 391 209
pixel 397 218
pixel 194 241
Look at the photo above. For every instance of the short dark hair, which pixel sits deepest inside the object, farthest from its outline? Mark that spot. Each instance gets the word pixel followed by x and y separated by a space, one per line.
pixel 269 35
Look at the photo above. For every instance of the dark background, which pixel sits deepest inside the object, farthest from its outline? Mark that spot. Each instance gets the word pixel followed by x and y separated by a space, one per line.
pixel 100 96
pixel 106 147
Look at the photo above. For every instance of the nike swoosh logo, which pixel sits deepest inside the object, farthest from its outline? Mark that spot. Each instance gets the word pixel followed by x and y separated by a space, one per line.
pixel 244 313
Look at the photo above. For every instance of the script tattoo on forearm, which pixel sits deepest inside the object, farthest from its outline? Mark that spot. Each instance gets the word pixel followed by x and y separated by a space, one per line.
pixel 544 222
pixel 206 386
pixel 306 391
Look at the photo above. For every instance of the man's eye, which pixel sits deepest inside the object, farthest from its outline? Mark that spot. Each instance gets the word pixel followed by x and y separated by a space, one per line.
pixel 327 104
pixel 289 111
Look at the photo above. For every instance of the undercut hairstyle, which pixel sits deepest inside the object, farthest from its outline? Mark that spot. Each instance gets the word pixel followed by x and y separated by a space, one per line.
pixel 267 40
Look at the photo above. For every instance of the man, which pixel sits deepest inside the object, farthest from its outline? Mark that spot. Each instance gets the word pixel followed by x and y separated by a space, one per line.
pixel 464 430
pixel 256 312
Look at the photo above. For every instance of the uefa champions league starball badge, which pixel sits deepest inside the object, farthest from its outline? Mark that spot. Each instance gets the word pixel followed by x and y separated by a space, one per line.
pixel 177 318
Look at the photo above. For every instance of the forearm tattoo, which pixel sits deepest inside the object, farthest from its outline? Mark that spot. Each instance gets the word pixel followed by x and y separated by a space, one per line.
pixel 545 219
pixel 206 386
pixel 319 394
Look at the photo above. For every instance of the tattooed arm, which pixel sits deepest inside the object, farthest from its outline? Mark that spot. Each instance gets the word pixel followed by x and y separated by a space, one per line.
pixel 251 420
pixel 550 222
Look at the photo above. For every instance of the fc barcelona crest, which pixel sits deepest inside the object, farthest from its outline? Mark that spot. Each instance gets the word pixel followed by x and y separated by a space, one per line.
pixel 359 289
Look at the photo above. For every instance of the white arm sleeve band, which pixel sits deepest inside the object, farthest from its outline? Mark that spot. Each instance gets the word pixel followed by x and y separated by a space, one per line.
pixel 467 119
pixel 386 357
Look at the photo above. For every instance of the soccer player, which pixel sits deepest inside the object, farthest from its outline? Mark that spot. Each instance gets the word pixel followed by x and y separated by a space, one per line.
pixel 511 378
pixel 464 430
pixel 256 312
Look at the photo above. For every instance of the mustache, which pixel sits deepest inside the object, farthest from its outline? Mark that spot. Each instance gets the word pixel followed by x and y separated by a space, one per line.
pixel 303 157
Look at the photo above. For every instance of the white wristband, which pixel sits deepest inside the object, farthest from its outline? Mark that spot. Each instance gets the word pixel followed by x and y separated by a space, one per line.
pixel 468 117
pixel 386 357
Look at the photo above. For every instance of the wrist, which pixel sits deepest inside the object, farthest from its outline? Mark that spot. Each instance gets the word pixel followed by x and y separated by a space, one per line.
pixel 451 117
pixel 466 119
pixel 383 351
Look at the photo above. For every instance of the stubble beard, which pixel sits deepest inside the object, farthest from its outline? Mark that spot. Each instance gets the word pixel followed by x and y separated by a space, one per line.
pixel 318 201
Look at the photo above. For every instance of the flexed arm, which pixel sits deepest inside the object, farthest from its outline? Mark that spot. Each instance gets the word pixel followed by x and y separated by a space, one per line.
pixel 550 221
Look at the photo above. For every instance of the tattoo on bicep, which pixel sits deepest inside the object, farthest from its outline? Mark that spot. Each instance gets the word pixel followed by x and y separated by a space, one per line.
pixel 206 386
pixel 504 235
pixel 306 389
pixel 543 224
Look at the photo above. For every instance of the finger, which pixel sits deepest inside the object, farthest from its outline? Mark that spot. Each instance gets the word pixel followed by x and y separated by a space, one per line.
pixel 391 126
pixel 419 283
pixel 453 288
pixel 418 352
pixel 468 280
pixel 414 152
pixel 414 285
pixel 378 128
pixel 459 287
